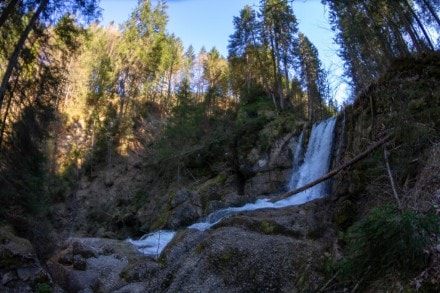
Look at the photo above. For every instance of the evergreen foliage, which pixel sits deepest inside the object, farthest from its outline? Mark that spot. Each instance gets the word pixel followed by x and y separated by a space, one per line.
pixel 373 33
pixel 24 172
pixel 388 240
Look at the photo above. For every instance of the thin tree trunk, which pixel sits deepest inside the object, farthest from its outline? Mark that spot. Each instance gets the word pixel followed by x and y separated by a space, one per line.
pixel 380 36
pixel 13 60
pixel 420 24
pixel 432 11
pixel 6 113
pixel 3 122
pixel 169 81
pixel 390 175
pixel 409 29
pixel 402 46
pixel 7 11
pixel 286 76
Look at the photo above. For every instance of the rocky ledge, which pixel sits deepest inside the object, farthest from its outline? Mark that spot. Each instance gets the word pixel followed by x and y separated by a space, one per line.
pixel 271 250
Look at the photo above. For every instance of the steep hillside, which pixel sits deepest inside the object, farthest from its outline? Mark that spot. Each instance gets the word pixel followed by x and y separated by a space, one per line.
pixel 404 103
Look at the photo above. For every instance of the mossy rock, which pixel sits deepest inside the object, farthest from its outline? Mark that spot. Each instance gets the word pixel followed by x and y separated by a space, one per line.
pixel 344 214
pixel 161 220
pixel 267 227
pixel 13 249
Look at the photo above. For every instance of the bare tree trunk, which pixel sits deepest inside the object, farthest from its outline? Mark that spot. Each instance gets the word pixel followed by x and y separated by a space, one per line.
pixel 384 43
pixel 5 115
pixel 420 24
pixel 7 11
pixel 409 29
pixel 13 60
pixel 390 175
pixel 432 11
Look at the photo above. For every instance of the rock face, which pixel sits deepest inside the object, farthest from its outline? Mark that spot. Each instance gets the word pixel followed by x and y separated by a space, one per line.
pixel 186 208
pixel 269 172
pixel 20 269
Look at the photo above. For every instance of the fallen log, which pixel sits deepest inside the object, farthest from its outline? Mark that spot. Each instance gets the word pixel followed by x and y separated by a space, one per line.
pixel 334 171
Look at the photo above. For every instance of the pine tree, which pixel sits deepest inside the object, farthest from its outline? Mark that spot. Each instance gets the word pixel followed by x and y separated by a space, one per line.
pixel 313 78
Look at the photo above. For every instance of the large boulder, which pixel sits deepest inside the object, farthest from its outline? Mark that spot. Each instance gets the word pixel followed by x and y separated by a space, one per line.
pixel 20 269
pixel 186 209
pixel 93 264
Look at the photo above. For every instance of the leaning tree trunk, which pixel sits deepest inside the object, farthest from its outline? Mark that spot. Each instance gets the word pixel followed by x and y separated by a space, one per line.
pixel 13 60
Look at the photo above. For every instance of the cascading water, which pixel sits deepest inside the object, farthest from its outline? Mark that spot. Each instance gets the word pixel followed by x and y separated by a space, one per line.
pixel 316 164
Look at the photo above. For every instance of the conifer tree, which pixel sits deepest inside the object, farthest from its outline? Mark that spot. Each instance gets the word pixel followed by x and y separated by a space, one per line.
pixel 312 76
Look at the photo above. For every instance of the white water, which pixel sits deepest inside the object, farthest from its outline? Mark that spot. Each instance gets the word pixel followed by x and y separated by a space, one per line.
pixel 153 244
pixel 316 164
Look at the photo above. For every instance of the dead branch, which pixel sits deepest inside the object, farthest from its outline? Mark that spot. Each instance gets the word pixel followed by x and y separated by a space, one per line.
pixel 390 175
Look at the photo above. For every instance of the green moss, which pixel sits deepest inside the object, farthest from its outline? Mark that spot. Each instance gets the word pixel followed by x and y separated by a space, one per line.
pixel 161 220
pixel 220 179
pixel 266 227
pixel 226 256
pixel 140 199
pixel 344 214
pixel 44 288
pixel 199 248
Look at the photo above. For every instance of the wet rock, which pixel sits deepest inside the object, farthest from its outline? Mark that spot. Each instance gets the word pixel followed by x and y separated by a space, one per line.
pixel 279 156
pixel 228 200
pixel 83 250
pixel 186 209
pixel 141 270
pixel 269 171
pixel 268 182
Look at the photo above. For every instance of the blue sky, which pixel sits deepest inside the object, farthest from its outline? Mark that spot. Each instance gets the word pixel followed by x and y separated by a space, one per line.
pixel 208 23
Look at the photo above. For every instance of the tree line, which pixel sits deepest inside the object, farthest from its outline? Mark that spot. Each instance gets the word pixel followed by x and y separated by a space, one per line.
pixel 372 33
pixel 37 38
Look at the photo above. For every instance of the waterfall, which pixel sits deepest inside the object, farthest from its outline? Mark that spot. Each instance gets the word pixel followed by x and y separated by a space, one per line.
pixel 316 163
pixel 296 163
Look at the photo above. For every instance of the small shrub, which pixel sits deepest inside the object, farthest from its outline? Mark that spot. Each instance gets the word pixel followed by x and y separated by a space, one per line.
pixel 266 227
pixel 387 240
pixel 44 288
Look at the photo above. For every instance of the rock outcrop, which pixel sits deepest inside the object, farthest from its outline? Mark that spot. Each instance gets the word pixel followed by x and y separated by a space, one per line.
pixel 283 250
pixel 186 208
pixel 269 171
pixel 20 269
pixel 93 265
